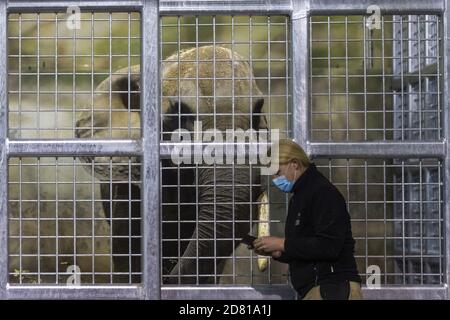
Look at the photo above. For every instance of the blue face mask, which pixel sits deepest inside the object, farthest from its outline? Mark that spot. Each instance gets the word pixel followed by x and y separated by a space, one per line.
pixel 283 184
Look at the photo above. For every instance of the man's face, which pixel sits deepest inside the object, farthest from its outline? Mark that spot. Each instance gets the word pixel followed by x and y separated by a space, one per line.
pixel 288 170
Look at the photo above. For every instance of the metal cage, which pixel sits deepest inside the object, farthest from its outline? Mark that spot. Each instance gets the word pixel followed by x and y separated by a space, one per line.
pixel 368 105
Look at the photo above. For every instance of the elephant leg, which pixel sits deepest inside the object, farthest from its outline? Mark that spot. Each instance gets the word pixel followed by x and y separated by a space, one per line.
pixel 124 243
pixel 224 215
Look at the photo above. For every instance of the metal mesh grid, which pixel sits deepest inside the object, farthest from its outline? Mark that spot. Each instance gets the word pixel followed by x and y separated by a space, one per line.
pixel 58 78
pixel 227 72
pixel 201 85
pixel 375 84
pixel 433 123
pixel 200 197
pixel 396 211
pixel 64 220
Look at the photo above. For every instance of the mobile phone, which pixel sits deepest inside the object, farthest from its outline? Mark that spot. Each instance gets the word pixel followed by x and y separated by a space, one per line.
pixel 248 240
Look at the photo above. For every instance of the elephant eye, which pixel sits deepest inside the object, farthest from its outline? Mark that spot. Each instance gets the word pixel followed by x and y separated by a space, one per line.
pixel 180 108
pixel 130 98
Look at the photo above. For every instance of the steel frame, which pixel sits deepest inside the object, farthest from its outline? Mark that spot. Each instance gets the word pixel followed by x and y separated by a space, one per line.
pixel 299 12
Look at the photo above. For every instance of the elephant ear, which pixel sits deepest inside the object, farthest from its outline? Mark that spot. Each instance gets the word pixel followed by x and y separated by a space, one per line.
pixel 259 119
pixel 182 114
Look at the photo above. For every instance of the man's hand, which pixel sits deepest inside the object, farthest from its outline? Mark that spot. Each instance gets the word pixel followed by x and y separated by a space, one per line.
pixel 276 254
pixel 269 245
pixel 262 253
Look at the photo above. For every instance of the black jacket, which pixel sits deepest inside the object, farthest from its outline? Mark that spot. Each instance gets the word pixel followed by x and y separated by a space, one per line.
pixel 319 245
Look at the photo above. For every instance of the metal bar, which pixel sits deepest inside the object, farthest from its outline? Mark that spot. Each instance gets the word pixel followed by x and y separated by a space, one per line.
pixel 75 292
pixel 42 6
pixel 267 292
pixel 56 70
pixel 92 129
pixel 438 85
pixel 130 251
pixel 364 77
pixel 129 75
pixel 72 147
pixel 111 263
pixel 3 154
pixel 322 149
pixel 174 7
pixel 446 124
pixel 233 126
pixel 366 242
pixel 179 125
pixel 384 220
pixel 330 124
pixel 38 77
pixel 402 88
pixel 347 106
pixel 168 148
pixel 378 149
pixel 310 112
pixel 56 225
pixel 286 6
pixel 215 123
pixel 20 71
pixel 288 89
pixel 386 6
pixel 419 102
pixel 443 278
pixel 285 292
pixel 384 78
pixel 405 293
pixel 110 73
pixel 39 224
pixel 421 219
pixel 150 117
pixel 300 72
pixel 21 218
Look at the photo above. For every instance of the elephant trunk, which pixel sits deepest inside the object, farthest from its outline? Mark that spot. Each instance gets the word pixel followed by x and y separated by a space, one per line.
pixel 225 212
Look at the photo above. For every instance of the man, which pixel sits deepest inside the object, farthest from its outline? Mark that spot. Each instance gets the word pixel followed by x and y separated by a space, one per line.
pixel 318 243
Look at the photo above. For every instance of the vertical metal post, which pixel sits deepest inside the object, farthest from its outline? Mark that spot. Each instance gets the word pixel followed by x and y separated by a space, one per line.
pixel 446 123
pixel 150 144
pixel 3 155
pixel 300 72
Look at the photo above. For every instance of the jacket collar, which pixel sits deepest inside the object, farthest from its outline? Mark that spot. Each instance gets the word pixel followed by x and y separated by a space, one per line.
pixel 303 179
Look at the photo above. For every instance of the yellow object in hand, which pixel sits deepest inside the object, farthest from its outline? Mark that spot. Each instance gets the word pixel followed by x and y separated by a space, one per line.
pixel 263 226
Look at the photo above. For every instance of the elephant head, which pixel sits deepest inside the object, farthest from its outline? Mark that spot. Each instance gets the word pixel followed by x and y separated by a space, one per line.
pixel 215 86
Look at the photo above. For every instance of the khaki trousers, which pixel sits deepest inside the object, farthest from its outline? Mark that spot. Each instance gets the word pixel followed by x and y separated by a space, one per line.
pixel 355 292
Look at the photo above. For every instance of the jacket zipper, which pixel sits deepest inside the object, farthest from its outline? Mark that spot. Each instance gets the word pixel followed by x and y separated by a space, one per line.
pixel 317 276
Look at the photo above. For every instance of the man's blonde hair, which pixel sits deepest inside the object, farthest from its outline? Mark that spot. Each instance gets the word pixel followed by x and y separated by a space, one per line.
pixel 290 151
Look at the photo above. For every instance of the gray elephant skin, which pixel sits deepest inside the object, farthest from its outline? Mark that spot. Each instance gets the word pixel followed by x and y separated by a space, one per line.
pixel 215 86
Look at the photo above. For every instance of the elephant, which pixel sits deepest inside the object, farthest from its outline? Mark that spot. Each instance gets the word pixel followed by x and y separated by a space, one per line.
pixel 211 84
